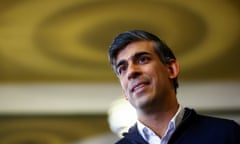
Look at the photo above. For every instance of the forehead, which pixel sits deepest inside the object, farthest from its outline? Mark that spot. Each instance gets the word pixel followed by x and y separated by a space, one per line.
pixel 135 47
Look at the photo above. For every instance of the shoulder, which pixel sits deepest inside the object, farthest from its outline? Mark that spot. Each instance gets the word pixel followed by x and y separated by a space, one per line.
pixel 124 141
pixel 213 124
pixel 206 129
pixel 132 137
pixel 219 123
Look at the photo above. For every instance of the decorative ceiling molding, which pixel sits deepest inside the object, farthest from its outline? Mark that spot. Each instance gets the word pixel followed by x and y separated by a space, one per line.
pixel 67 41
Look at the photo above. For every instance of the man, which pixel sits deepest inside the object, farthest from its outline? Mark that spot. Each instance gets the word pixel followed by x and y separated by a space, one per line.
pixel 148 72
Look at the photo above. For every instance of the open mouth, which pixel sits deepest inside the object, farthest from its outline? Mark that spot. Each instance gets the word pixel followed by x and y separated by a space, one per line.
pixel 139 86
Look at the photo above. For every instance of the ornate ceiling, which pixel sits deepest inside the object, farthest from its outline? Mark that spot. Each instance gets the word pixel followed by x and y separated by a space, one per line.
pixel 67 40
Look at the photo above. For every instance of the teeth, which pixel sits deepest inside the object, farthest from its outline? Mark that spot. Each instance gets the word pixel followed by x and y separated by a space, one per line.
pixel 139 86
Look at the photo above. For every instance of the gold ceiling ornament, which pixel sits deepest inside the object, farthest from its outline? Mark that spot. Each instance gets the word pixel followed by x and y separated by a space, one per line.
pixel 222 21
pixel 70 38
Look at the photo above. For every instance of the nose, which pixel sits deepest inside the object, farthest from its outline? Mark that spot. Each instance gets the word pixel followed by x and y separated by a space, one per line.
pixel 133 71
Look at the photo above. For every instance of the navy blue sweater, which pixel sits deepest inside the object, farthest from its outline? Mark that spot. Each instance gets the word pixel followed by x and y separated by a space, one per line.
pixel 194 129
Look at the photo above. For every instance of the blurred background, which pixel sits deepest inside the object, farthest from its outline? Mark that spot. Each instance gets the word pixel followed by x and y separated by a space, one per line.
pixel 57 87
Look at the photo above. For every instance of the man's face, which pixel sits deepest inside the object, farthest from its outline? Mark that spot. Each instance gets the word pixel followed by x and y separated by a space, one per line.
pixel 144 78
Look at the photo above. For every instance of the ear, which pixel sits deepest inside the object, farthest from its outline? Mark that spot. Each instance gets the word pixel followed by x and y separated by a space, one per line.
pixel 173 68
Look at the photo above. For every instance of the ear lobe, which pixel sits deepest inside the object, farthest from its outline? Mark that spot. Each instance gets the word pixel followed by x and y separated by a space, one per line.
pixel 173 67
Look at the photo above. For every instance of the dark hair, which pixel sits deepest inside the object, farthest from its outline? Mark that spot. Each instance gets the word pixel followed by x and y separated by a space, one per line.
pixel 122 40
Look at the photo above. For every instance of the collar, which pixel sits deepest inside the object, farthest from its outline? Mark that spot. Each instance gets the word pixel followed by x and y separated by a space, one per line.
pixel 173 124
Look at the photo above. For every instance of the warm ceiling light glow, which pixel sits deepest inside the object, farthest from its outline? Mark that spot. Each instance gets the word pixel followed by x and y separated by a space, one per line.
pixel 121 116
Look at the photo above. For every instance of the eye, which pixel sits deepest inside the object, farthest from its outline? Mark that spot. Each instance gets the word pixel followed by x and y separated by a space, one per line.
pixel 143 59
pixel 121 69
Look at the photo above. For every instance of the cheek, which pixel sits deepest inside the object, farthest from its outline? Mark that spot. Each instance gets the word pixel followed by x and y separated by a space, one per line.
pixel 122 83
pixel 157 77
pixel 124 87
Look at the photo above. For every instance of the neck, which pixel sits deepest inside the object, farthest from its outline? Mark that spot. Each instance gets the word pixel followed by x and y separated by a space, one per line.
pixel 158 120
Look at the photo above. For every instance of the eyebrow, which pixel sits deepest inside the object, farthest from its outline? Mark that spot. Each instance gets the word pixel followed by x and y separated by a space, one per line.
pixel 136 55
